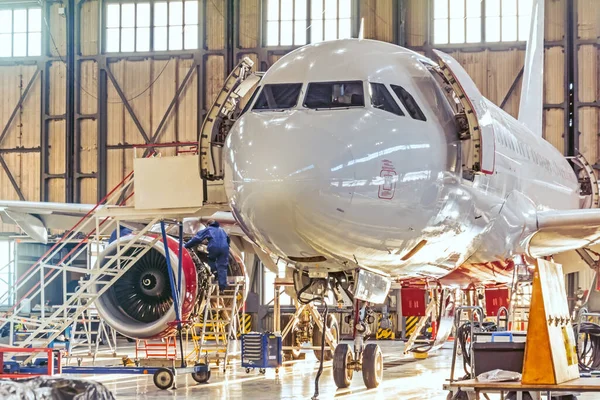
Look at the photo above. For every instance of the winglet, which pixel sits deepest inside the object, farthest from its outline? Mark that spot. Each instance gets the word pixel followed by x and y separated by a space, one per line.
pixel 532 90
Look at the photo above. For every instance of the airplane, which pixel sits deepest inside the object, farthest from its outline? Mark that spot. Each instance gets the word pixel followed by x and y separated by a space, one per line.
pixel 361 162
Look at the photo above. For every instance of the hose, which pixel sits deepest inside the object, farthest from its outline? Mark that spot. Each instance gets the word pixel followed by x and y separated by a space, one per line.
pixel 322 355
pixel 463 336
pixel 323 334
pixel 589 352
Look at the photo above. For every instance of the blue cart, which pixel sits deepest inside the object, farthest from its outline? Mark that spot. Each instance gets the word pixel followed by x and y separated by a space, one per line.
pixel 261 350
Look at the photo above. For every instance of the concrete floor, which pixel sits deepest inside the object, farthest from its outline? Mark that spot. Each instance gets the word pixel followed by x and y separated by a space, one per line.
pixel 404 378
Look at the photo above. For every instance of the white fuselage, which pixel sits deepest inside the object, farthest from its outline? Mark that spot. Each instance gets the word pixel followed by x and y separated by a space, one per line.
pixel 329 188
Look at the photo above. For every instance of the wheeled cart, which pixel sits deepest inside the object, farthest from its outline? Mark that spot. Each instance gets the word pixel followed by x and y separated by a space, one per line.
pixel 261 350
pixel 475 389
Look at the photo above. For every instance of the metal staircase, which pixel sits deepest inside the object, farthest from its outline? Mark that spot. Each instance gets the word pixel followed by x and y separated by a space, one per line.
pixel 49 327
pixel 221 116
pixel 90 229
pixel 221 321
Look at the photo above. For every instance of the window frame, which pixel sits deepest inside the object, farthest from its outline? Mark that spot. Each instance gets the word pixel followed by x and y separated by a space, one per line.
pixel 42 32
pixel 483 40
pixel 152 28
pixel 354 24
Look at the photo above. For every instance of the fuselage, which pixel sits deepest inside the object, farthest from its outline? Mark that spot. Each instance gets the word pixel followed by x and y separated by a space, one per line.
pixel 334 175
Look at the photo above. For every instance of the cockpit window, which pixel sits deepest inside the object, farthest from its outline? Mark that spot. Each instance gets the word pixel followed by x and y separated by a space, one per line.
pixel 383 100
pixel 409 103
pixel 279 96
pixel 334 95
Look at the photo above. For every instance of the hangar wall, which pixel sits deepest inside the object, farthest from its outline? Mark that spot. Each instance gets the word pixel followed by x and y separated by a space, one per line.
pixel 126 100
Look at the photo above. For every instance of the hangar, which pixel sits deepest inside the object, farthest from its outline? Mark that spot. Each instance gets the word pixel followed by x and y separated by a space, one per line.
pixel 299 198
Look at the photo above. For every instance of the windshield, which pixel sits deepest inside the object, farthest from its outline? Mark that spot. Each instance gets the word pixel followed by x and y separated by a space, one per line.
pixel 334 95
pixel 383 100
pixel 409 103
pixel 279 96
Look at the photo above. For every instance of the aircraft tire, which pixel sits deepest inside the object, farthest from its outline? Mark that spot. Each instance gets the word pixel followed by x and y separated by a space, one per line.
pixel 372 365
pixel 342 357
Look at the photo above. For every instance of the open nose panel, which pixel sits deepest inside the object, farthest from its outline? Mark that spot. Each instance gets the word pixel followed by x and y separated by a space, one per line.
pixel 476 112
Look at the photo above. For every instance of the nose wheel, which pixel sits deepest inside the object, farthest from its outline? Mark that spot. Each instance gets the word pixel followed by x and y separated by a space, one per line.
pixel 366 358
pixel 372 366
pixel 343 368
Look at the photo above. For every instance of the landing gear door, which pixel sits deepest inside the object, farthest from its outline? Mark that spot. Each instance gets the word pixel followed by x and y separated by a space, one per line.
pixel 480 124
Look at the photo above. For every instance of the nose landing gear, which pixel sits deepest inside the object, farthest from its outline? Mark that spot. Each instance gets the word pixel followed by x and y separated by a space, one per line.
pixel 366 358
pixel 372 288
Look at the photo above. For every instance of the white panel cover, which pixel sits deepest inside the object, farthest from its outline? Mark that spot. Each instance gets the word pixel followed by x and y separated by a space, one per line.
pixel 167 182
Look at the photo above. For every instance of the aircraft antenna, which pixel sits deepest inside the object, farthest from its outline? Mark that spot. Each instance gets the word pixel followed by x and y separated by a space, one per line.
pixel 361 30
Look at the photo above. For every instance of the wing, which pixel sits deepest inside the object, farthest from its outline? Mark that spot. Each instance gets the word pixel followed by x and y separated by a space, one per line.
pixel 35 218
pixel 563 230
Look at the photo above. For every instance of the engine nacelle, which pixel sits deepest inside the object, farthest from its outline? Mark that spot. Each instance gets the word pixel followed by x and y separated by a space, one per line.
pixel 140 304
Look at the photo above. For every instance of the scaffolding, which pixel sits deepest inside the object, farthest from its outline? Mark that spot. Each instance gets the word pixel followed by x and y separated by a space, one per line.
pixel 7 273
pixel 51 324
pixel 76 318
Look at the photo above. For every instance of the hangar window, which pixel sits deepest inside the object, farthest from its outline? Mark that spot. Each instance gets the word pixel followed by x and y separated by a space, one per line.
pixel 322 95
pixel 409 103
pixel 278 96
pixel 298 22
pixel 383 100
pixel 476 21
pixel 21 32
pixel 151 26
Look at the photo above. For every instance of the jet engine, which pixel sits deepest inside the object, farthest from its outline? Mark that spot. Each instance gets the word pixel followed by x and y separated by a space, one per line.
pixel 140 303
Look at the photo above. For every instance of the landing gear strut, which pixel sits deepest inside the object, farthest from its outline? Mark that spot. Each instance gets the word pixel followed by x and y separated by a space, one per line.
pixel 366 358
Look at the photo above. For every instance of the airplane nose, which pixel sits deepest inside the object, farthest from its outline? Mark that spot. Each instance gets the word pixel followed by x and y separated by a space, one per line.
pixel 280 176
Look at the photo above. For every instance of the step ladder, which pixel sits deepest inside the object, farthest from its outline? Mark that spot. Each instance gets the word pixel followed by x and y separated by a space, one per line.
pixel 520 298
pixel 220 321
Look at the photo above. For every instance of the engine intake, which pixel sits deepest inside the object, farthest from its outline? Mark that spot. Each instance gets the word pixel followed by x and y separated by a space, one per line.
pixel 140 304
